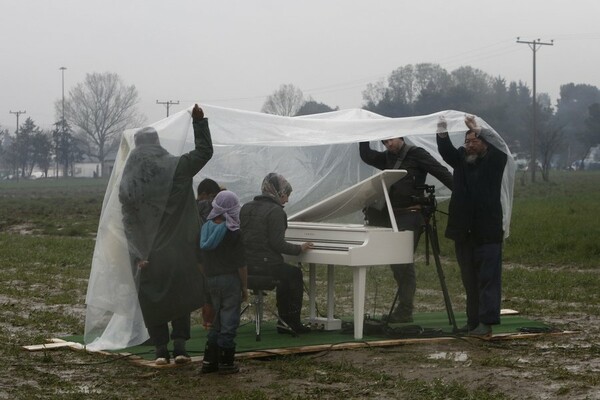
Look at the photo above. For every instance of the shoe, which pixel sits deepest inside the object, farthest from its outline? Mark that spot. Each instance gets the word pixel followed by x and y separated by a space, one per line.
pixel 300 328
pixel 179 354
pixel 483 331
pixel 397 318
pixel 162 355
pixel 182 358
pixel 282 330
pixel 465 329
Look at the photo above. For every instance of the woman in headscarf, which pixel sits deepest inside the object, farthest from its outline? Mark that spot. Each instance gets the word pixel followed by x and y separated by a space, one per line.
pixel 263 224
pixel 226 278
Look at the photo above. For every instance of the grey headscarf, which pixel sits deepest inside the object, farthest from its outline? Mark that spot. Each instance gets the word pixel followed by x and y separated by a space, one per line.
pixel 275 186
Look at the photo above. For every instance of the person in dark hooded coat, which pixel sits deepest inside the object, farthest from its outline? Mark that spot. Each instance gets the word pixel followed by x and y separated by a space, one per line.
pixel 161 225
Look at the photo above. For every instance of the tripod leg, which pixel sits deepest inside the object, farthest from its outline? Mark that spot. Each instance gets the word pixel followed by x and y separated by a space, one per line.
pixel 431 233
pixel 396 299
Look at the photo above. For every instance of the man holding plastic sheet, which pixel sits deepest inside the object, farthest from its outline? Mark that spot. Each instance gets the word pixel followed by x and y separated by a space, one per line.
pixel 475 221
pixel 404 196
pixel 161 225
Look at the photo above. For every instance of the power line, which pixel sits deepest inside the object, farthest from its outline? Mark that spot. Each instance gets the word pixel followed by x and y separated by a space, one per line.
pixel 168 104
pixel 534 45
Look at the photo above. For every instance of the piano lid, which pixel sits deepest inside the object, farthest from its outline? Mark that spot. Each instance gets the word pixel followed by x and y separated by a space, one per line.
pixel 350 200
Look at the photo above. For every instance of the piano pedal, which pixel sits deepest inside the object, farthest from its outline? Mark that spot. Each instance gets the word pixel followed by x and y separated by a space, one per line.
pixel 317 327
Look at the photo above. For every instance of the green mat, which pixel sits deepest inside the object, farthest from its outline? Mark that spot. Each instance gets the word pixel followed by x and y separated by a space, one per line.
pixel 425 325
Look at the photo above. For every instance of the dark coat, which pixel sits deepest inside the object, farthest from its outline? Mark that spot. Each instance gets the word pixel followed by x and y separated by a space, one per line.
pixel 263 224
pixel 226 258
pixel 171 286
pixel 417 163
pixel 475 208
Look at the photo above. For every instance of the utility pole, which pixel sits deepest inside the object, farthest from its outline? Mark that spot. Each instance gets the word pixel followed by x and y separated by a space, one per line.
pixel 17 113
pixel 534 46
pixel 62 70
pixel 168 104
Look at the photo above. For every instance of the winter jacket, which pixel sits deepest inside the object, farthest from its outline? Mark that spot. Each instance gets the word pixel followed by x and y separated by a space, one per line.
pixel 263 224
pixel 475 208
pixel 417 162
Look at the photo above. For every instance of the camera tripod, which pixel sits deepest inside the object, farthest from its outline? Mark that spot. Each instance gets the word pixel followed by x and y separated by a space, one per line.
pixel 429 228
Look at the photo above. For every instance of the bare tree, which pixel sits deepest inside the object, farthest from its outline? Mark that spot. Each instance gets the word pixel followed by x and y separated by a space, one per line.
pixel 102 107
pixel 551 139
pixel 3 159
pixel 286 101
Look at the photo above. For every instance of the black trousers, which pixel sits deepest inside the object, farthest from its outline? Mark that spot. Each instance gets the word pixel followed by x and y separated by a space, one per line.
pixel 289 291
pixel 405 274
pixel 159 334
pixel 481 273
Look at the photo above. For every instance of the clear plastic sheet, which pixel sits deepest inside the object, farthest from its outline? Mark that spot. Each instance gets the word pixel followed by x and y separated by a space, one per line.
pixel 317 154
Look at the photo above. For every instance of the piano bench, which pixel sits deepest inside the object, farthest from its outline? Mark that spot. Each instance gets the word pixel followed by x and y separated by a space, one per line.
pixel 262 283
pixel 259 285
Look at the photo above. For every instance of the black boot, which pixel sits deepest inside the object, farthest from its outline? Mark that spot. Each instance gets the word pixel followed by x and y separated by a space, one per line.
pixel 210 362
pixel 226 365
pixel 283 325
pixel 295 322
pixel 179 354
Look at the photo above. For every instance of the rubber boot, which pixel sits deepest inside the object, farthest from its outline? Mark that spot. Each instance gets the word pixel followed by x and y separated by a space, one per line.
pixel 226 365
pixel 210 362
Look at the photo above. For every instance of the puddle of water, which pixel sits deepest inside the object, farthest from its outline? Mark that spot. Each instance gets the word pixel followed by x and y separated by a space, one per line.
pixel 457 356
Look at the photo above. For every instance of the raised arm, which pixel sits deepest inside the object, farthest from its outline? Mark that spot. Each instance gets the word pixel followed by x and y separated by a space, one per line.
pixel 196 159
pixel 445 147
pixel 371 157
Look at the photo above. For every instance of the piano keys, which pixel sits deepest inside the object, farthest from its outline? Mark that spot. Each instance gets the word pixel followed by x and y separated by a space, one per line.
pixel 352 245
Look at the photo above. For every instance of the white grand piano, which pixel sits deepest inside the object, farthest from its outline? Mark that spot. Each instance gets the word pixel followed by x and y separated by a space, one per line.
pixel 353 245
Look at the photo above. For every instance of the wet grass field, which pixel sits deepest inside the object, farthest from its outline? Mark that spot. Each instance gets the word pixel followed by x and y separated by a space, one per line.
pixel 551 273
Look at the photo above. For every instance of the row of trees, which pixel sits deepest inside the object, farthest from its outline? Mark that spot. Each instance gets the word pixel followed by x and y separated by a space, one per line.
pixel 98 109
pixel 32 146
pixel 565 132
pixel 96 112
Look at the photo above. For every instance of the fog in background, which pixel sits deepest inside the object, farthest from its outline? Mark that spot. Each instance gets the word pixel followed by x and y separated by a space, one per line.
pixel 236 53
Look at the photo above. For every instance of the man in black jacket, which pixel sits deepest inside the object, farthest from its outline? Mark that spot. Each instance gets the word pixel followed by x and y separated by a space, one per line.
pixel 263 224
pixel 418 163
pixel 161 223
pixel 475 222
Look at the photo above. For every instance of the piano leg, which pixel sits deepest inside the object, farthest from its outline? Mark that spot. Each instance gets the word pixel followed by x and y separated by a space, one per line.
pixel 312 290
pixel 360 281
pixel 329 323
pixel 330 292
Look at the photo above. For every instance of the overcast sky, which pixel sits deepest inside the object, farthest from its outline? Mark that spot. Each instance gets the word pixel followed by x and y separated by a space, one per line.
pixel 235 53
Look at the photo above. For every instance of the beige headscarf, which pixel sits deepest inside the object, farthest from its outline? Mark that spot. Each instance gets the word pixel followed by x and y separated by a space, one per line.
pixel 274 186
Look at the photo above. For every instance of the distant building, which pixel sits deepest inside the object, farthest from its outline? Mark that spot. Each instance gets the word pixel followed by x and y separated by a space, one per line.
pixel 89 167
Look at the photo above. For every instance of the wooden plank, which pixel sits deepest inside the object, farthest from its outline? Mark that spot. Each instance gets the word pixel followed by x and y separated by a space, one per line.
pixel 59 343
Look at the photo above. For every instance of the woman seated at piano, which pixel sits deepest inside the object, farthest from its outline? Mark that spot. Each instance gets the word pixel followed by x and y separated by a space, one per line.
pixel 263 225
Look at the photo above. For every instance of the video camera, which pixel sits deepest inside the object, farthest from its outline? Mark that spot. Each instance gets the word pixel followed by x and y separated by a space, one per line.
pixel 428 202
